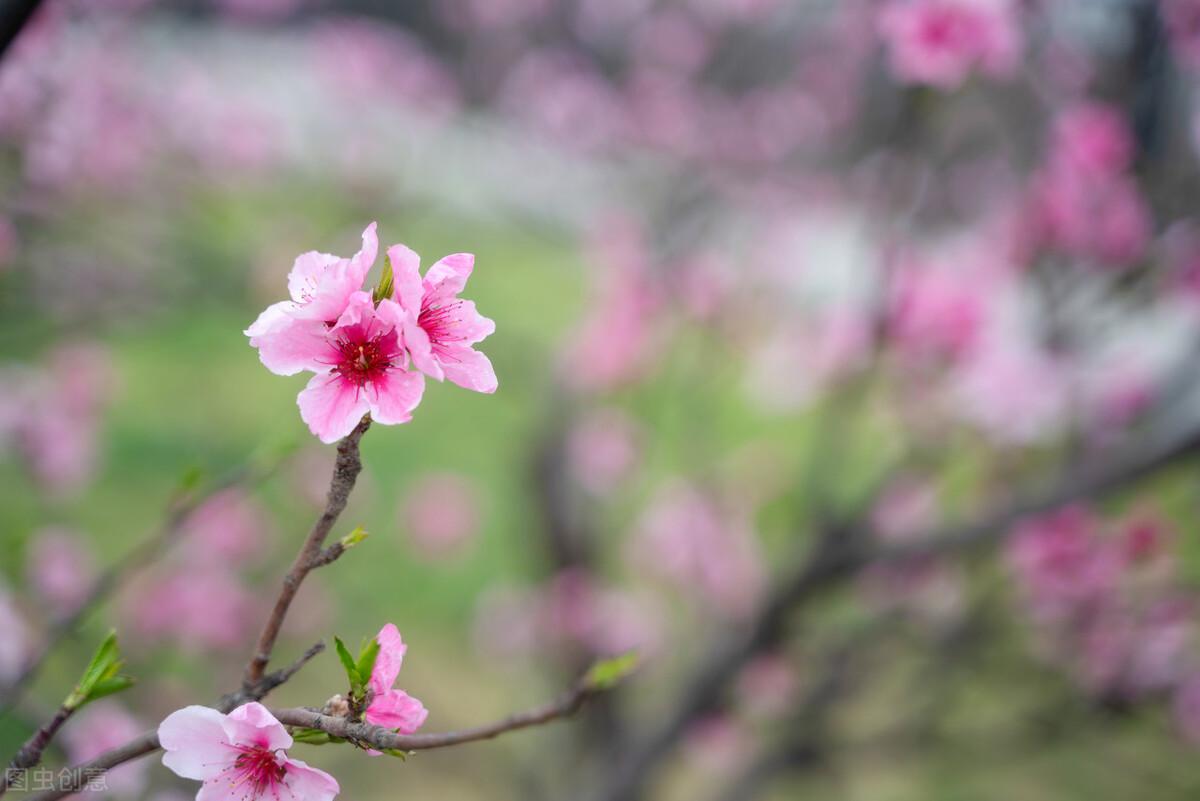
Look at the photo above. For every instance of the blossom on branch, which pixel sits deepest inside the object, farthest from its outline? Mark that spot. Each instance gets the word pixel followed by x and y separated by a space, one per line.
pixel 241 756
pixel 389 707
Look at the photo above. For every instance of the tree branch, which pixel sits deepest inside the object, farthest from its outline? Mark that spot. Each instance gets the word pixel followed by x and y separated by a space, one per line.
pixel 177 512
pixel 377 737
pixel 30 754
pixel 845 551
pixel 345 474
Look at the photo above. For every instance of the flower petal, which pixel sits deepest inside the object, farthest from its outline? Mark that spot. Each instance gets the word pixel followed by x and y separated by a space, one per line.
pixel 361 262
pixel 308 783
pixel 468 368
pixel 271 317
pixel 471 326
pixel 253 724
pixel 398 710
pixel 291 345
pixel 448 276
pixel 394 395
pixel 307 271
pixel 332 406
pixel 195 743
pixel 421 349
pixel 406 272
pixel 391 657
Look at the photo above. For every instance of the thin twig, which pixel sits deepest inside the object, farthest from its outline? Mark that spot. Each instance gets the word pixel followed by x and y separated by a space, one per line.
pixel 345 474
pixel 31 752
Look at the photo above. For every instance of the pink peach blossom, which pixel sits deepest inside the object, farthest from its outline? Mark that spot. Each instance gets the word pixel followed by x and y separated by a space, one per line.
pixel 439 327
pixel 321 285
pixel 200 609
pixel 391 707
pixel 941 42
pixel 241 756
pixel 1182 18
pixel 603 449
pixel 360 365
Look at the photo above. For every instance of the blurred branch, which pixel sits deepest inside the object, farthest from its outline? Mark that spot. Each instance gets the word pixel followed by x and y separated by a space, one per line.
pixel 142 555
pixel 845 550
pixel 345 474
pixel 14 15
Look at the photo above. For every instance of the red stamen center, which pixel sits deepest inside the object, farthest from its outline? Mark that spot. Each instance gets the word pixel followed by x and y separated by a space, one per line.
pixel 256 771
pixel 439 321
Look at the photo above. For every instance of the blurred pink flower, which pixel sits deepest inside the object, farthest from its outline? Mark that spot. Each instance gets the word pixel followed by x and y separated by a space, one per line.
pixel 101 727
pixel 1092 138
pixel 1182 19
pixel 199 608
pixel 440 513
pixel 614 342
pixel 230 527
pixel 389 707
pixel 60 408
pixel 603 449
pixel 241 756
pixel 686 537
pixel 61 568
pixel 941 42
pixel 1015 394
pixel 908 508
pixel 936 312
pixel 1062 563
pixel 14 638
pixel 440 328
pixel 717 745
pixel 575 610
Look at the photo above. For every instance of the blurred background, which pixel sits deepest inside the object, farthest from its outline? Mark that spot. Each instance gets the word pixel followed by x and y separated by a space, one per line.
pixel 816 321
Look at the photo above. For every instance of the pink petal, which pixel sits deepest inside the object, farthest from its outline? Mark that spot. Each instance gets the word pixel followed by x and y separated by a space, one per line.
pixel 307 272
pixel 393 396
pixel 448 276
pixel 293 345
pixel 391 657
pixel 195 743
pixel 253 724
pixel 308 783
pixel 406 271
pixel 359 310
pixel 472 326
pixel 274 315
pixel 421 349
pixel 468 368
pixel 332 406
pixel 398 710
pixel 361 262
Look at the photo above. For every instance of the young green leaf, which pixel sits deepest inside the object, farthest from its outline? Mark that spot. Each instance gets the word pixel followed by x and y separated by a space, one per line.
pixel 608 673
pixel 386 282
pixel 366 659
pixel 356 682
pixel 100 676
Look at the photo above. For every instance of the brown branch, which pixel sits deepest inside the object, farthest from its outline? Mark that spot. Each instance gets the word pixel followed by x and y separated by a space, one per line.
pixel 377 737
pixel 14 16
pixel 844 552
pixel 30 754
pixel 345 474
pixel 177 512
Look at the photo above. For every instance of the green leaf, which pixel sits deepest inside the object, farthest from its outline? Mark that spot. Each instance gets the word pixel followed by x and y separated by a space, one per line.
pixel 353 538
pixel 109 686
pixel 100 676
pixel 387 281
pixel 608 673
pixel 366 659
pixel 396 752
pixel 311 736
pixel 356 682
